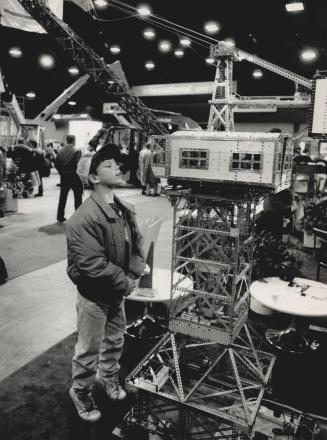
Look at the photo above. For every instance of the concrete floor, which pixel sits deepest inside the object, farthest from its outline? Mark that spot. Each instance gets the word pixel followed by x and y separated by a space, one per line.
pixel 37 304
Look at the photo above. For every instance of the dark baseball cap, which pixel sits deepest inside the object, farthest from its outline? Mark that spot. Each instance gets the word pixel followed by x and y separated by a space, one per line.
pixel 108 151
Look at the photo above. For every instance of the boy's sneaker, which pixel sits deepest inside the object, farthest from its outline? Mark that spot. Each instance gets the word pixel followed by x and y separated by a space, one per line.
pixel 85 405
pixel 111 386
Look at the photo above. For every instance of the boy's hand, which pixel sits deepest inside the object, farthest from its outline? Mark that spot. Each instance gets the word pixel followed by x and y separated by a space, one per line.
pixel 131 286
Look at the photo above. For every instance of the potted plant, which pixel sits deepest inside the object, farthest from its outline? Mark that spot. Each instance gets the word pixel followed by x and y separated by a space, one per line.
pixel 273 257
pixel 315 216
pixel 13 186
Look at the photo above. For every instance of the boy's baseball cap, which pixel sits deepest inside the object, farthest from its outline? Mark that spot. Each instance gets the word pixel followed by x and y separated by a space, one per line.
pixel 108 151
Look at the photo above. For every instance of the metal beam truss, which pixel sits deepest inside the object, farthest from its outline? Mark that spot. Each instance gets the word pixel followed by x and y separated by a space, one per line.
pixel 223 102
pixel 211 246
pixel 153 417
pixel 207 362
pixel 222 382
pixel 221 116
pixel 90 62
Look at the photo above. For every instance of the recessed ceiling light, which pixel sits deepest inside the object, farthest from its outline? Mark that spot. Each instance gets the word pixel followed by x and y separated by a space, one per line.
pixel 30 95
pixel 144 10
pixel 115 49
pixel 101 3
pixel 211 27
pixel 210 60
pixel 309 55
pixel 186 42
pixel 111 81
pixel 73 70
pixel 165 46
pixel 46 61
pixel 149 65
pixel 230 42
pixel 179 53
pixel 149 34
pixel 294 6
pixel 72 103
pixel 15 52
pixel 257 73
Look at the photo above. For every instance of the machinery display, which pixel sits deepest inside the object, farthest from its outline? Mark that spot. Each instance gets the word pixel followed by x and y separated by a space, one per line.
pixel 205 379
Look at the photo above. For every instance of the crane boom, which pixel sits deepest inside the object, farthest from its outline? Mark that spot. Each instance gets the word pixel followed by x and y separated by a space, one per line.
pixel 50 109
pixel 241 54
pixel 90 62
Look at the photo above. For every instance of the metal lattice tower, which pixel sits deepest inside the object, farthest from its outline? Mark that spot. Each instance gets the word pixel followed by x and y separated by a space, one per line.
pixel 207 361
pixel 221 114
pixel 90 62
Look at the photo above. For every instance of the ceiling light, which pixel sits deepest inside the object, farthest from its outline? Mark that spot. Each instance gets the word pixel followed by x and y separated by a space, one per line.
pixel 73 70
pixel 211 27
pixel 149 65
pixel 257 74
pixel 30 95
pixel 186 42
pixel 101 3
pixel 165 46
pixel 309 55
pixel 179 53
pixel 72 103
pixel 56 116
pixel 83 115
pixel 294 6
pixel 15 52
pixel 111 81
pixel 46 61
pixel 230 42
pixel 144 10
pixel 149 34
pixel 210 60
pixel 115 49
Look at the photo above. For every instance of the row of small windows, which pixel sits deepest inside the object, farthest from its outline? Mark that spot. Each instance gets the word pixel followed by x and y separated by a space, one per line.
pixel 199 159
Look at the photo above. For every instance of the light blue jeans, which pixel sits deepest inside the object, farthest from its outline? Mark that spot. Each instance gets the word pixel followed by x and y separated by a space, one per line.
pixel 100 341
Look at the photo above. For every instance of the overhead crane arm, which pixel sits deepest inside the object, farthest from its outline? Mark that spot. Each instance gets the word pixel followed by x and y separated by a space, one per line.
pixel 50 109
pixel 242 55
pixel 90 62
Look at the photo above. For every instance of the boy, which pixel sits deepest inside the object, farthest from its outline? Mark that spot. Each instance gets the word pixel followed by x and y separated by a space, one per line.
pixel 105 257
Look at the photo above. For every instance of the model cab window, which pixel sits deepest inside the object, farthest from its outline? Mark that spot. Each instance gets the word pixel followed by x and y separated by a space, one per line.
pixel 194 158
pixel 246 162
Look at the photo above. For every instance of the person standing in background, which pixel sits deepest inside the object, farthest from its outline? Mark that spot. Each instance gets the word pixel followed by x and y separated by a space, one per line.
pixel 66 164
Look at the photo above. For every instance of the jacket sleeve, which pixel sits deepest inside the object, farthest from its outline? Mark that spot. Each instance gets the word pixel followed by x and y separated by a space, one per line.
pixel 137 260
pixel 95 269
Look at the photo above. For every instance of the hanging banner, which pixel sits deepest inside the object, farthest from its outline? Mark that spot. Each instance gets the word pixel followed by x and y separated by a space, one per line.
pixel 14 15
pixel 84 4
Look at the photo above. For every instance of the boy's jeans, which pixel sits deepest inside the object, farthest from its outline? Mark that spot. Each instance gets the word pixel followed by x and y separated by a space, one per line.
pixel 100 341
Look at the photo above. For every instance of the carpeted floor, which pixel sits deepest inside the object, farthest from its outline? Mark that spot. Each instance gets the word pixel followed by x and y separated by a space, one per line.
pixel 34 401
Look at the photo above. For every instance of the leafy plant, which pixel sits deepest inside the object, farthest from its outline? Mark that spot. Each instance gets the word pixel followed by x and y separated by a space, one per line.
pixel 14 180
pixel 273 257
pixel 315 215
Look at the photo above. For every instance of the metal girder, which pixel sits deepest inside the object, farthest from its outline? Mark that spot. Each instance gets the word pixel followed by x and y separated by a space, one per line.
pixel 90 62
pixel 257 103
pixel 298 79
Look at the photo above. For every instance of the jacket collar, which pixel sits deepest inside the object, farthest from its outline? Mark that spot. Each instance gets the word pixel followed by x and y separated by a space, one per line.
pixel 107 209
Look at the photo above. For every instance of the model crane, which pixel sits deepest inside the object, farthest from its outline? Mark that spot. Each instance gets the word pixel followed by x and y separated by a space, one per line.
pixel 224 101
pixel 205 378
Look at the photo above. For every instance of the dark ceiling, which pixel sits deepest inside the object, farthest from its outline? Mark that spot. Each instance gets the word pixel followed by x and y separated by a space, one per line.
pixel 261 27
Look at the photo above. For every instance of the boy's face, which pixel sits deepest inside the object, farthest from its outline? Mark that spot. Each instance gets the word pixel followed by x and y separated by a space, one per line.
pixel 108 173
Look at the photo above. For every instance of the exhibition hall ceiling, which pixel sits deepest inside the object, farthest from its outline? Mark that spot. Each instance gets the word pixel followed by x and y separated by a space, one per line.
pixel 261 27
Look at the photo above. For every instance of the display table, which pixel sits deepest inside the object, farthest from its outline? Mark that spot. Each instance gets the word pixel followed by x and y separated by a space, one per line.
pixel 148 326
pixel 301 298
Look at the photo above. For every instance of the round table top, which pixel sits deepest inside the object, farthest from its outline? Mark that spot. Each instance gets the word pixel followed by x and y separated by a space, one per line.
pixel 160 292
pixel 303 298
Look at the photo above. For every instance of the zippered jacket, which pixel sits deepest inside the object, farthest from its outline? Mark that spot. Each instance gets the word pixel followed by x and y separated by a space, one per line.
pixel 103 249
